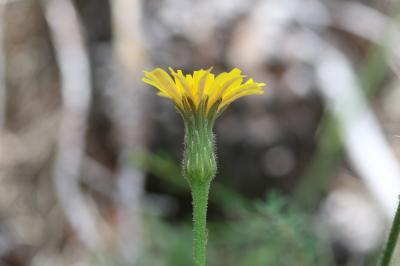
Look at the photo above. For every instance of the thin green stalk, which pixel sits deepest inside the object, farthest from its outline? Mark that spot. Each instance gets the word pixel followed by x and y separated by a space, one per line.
pixel 199 111
pixel 200 198
pixel 392 240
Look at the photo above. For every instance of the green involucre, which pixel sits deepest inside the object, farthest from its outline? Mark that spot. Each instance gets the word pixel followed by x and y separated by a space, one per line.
pixel 199 160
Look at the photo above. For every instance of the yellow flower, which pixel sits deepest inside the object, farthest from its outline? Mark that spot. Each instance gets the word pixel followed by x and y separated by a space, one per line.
pixel 202 92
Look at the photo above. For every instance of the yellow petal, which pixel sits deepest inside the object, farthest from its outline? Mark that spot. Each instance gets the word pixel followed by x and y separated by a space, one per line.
pixel 155 84
pixel 161 94
pixel 223 82
pixel 162 81
pixel 223 86
pixel 221 90
pixel 247 89
pixel 203 81
pixel 182 83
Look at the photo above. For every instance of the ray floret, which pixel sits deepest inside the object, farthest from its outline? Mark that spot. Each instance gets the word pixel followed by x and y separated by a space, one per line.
pixel 202 92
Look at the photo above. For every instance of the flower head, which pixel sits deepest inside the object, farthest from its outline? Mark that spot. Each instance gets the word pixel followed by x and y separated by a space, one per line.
pixel 202 93
pixel 201 98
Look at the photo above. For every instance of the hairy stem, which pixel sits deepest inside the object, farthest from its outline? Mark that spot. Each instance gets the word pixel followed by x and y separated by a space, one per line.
pixel 200 198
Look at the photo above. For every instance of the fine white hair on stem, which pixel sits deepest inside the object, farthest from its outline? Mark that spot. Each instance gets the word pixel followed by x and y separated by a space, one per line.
pixel 74 67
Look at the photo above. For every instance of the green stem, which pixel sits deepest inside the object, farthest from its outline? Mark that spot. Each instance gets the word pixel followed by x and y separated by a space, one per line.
pixel 200 198
pixel 392 240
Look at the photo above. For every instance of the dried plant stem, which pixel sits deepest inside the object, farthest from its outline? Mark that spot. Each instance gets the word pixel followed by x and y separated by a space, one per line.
pixel 200 192
pixel 392 240
pixel 3 89
pixel 73 60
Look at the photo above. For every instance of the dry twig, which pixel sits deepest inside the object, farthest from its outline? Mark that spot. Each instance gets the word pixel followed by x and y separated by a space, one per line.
pixel 74 68
pixel 129 104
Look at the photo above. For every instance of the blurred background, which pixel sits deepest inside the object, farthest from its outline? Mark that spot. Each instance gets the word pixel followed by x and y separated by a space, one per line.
pixel 90 158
